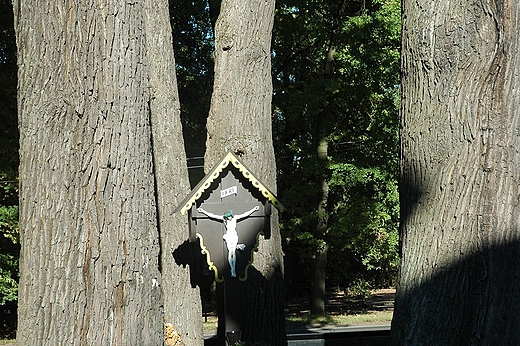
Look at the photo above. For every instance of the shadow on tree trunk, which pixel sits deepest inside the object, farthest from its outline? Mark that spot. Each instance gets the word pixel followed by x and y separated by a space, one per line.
pixel 472 302
pixel 189 254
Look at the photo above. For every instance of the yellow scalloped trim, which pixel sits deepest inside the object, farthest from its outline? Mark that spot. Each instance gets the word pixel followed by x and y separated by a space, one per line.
pixel 250 262
pixel 204 251
pixel 230 158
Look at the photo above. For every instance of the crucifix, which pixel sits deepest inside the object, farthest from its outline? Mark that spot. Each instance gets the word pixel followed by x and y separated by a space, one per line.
pixel 231 235
pixel 229 238
pixel 229 210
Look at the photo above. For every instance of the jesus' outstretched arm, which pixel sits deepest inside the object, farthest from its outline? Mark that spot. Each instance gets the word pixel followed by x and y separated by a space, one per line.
pixel 247 213
pixel 211 215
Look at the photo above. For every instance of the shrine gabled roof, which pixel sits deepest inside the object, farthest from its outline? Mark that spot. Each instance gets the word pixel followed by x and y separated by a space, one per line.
pixel 214 174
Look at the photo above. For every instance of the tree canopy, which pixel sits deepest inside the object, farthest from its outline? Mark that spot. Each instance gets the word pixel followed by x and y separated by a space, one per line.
pixel 354 105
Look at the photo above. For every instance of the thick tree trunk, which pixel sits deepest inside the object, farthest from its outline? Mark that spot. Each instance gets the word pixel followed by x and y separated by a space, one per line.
pixel 90 101
pixel 240 122
pixel 460 230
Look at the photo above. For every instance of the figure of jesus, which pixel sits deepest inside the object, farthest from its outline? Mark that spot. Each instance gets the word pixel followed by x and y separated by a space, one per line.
pixel 231 235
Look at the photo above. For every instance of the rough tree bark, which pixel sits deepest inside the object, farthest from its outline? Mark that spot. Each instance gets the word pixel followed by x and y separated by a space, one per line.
pixel 182 302
pixel 460 230
pixel 240 122
pixel 96 124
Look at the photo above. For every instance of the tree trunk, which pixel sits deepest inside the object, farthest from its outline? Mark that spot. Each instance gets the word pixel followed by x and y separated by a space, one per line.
pixel 92 198
pixel 240 122
pixel 458 280
pixel 182 302
pixel 319 269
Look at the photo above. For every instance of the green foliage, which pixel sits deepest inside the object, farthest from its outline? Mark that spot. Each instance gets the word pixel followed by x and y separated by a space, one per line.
pixel 8 278
pixel 354 105
pixel 359 289
pixel 9 223
pixel 365 227
pixel 9 237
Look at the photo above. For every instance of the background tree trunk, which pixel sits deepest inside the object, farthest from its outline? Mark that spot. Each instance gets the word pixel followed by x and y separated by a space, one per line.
pixel 319 270
pixel 90 101
pixel 240 122
pixel 458 281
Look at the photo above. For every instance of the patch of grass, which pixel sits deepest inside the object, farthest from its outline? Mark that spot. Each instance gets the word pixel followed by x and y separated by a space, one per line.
pixel 341 320
pixel 373 317
pixel 210 324
pixel 7 342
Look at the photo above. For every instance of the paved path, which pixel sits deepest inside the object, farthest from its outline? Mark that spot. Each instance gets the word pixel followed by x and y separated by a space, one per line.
pixel 362 335
pixel 343 329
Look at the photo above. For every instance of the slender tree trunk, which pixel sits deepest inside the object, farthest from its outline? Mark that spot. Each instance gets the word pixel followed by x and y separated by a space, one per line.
pixel 460 229
pixel 319 277
pixel 319 268
pixel 240 122
pixel 91 193
pixel 182 302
